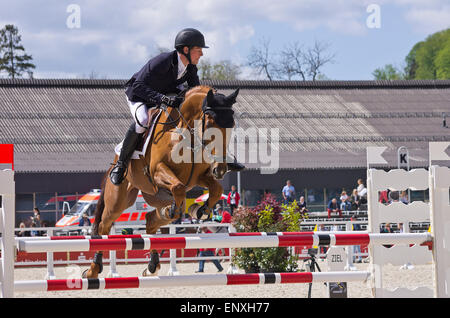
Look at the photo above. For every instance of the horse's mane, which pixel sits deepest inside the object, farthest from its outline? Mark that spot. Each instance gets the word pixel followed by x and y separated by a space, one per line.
pixel 203 89
pixel 193 98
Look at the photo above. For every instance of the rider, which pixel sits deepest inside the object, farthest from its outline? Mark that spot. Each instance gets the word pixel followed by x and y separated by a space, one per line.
pixel 161 76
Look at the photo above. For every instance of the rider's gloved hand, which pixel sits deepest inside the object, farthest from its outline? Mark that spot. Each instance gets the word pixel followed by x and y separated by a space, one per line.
pixel 172 101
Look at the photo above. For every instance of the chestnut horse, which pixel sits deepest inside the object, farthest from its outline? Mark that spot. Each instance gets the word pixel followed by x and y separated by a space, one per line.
pixel 163 180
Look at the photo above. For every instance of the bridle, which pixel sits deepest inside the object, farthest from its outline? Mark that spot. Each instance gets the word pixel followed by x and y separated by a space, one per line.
pixel 201 145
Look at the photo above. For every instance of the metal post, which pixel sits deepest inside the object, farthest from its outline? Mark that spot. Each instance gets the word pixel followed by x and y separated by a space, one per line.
pixel 239 183
pixel 113 259
pixel 399 165
pixel 231 269
pixel 7 219
pixel 173 254
pixel 50 266
pixel 349 266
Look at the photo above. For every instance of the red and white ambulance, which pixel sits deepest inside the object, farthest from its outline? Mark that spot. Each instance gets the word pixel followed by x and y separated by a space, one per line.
pixel 134 215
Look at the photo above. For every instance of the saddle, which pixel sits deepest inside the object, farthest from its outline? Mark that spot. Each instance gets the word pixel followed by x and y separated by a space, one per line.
pixel 153 116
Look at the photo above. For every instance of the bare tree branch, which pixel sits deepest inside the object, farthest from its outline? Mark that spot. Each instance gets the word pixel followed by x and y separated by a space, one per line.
pixel 316 57
pixel 292 62
pixel 260 58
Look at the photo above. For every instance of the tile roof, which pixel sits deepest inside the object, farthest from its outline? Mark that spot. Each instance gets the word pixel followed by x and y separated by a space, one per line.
pixel 73 125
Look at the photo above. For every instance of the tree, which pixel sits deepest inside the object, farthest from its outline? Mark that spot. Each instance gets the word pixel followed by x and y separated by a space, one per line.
pixel 388 72
pixel 316 57
pixel 224 70
pixel 411 64
pixel 292 62
pixel 442 62
pixel 261 60
pixel 429 59
pixel 11 59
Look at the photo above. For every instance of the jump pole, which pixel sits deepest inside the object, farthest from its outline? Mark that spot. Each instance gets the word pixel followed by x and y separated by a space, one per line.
pixel 230 241
pixel 186 280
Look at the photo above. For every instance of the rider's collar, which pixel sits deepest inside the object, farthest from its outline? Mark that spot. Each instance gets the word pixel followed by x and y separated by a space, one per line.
pixel 181 67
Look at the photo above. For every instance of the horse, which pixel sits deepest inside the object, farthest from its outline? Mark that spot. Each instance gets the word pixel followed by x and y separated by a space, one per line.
pixel 164 181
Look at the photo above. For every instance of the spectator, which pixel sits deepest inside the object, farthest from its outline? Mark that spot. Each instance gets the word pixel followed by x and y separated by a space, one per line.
pixel 384 197
pixel 345 203
pixel 362 191
pixel 404 197
pixel 23 233
pixel 204 252
pixel 355 200
pixel 216 211
pixel 34 232
pixel 225 218
pixel 387 229
pixel 302 205
pixel 288 192
pixel 394 196
pixel 356 248
pixel 333 207
pixel 84 221
pixel 233 199
pixel 36 218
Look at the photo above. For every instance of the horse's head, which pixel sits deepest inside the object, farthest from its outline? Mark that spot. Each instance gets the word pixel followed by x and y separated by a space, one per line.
pixel 218 114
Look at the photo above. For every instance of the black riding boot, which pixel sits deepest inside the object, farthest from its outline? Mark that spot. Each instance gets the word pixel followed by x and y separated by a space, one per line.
pixel 129 144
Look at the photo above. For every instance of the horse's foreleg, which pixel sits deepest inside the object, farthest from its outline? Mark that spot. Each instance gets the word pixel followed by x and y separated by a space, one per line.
pixel 165 177
pixel 215 190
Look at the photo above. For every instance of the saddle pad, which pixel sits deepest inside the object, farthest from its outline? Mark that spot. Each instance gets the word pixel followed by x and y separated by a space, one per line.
pixel 142 152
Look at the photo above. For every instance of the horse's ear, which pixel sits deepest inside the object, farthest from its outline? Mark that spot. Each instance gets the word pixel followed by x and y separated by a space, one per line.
pixel 210 97
pixel 232 97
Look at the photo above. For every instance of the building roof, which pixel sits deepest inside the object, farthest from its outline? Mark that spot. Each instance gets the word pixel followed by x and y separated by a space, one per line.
pixel 72 125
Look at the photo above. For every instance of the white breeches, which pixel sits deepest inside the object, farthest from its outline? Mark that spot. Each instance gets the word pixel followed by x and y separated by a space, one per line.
pixel 139 111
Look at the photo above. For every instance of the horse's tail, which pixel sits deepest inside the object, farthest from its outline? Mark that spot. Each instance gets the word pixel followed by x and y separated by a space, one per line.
pixel 100 205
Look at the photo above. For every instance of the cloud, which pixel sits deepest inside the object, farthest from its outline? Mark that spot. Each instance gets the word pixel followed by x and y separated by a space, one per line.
pixel 426 16
pixel 428 21
pixel 118 37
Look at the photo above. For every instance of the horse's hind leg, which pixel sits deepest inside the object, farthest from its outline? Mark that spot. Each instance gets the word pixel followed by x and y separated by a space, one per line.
pixel 115 200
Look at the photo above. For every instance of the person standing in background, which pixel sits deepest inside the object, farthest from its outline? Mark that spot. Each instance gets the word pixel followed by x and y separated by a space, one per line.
pixel 233 199
pixel 288 192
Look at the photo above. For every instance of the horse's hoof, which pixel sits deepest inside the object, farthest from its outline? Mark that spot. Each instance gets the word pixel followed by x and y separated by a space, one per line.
pixel 203 213
pixel 89 273
pixel 172 211
pixel 153 263
pixel 147 273
pixel 98 261
pixel 192 210
pixel 199 212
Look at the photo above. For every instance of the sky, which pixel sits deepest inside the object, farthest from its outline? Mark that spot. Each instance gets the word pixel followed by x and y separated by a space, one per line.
pixel 114 39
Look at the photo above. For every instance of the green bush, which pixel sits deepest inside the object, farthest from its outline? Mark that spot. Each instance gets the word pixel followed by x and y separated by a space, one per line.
pixel 267 216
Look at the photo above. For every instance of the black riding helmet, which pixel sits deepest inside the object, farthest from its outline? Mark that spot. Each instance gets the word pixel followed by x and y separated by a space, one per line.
pixel 189 37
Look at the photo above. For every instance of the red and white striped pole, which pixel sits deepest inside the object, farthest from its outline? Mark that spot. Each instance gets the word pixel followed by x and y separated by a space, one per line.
pixel 223 241
pixel 188 280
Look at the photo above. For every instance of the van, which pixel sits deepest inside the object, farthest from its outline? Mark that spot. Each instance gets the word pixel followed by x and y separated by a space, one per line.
pixel 134 215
